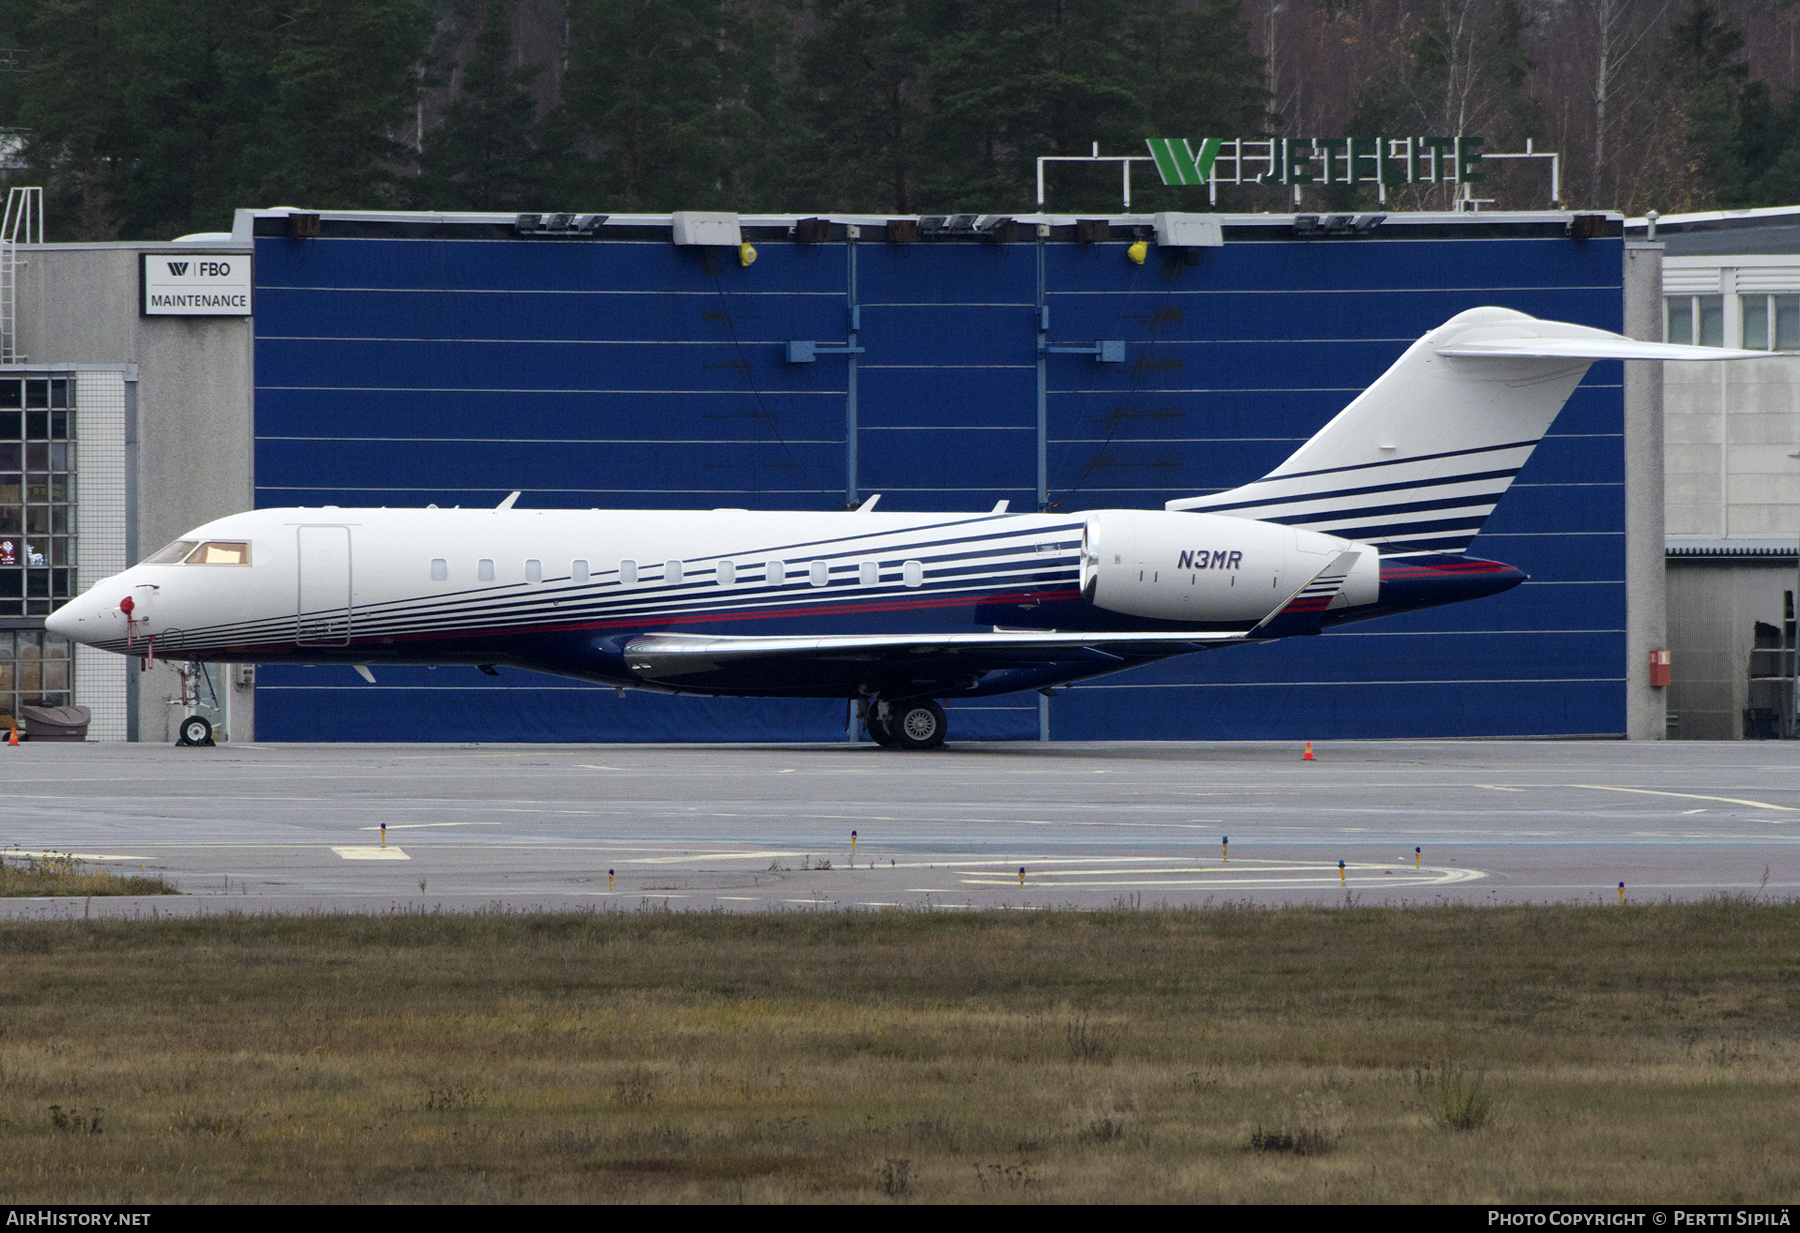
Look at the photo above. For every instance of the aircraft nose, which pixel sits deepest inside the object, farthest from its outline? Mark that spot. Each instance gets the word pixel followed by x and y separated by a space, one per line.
pixel 64 623
pixel 88 618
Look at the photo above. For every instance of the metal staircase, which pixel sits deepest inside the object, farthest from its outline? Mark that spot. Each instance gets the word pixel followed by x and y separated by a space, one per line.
pixel 22 224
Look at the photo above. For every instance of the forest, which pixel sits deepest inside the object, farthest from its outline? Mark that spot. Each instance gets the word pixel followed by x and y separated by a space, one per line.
pixel 147 119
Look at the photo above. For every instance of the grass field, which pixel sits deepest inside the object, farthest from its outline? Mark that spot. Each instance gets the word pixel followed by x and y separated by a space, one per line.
pixel 1445 1054
pixel 35 874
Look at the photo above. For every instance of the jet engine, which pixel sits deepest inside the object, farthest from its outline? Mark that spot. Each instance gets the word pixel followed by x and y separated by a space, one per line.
pixel 1209 567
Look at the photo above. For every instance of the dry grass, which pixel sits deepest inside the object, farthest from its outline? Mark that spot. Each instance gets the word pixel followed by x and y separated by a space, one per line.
pixel 63 875
pixel 1625 1054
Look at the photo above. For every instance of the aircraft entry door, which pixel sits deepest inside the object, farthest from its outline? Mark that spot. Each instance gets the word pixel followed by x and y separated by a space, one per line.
pixel 324 569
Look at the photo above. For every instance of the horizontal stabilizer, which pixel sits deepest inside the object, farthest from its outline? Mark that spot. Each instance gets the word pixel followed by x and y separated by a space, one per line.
pixel 1597 347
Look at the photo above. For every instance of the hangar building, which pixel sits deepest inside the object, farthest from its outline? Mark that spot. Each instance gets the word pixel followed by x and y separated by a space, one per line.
pixel 1732 279
pixel 944 363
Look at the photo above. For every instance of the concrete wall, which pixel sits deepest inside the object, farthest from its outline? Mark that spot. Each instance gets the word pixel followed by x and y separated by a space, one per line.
pixel 1646 624
pixel 189 433
pixel 1730 430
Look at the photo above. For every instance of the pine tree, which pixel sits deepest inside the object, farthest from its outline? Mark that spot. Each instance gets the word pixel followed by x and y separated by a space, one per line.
pixel 343 79
pixel 666 105
pixel 486 154
pixel 862 98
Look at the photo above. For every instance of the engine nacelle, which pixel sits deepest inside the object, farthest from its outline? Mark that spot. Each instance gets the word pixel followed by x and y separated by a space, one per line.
pixel 1209 567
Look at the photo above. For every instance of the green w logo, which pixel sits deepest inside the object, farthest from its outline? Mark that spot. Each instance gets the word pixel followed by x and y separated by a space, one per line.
pixel 1178 160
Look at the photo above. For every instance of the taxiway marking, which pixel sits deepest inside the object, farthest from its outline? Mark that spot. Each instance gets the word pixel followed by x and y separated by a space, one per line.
pixel 1692 796
pixel 369 852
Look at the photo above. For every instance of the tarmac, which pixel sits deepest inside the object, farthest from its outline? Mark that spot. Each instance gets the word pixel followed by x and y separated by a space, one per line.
pixel 266 828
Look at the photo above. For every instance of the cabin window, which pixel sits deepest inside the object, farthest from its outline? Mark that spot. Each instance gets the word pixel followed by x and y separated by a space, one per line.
pixel 484 570
pixel 173 553
pixel 578 572
pixel 819 573
pixel 913 573
pixel 868 574
pixel 627 573
pixel 534 570
pixel 672 572
pixel 727 573
pixel 775 573
pixel 440 569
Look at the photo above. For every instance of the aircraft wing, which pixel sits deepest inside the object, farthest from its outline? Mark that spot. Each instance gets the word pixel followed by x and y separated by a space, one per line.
pixel 659 657
pixel 662 656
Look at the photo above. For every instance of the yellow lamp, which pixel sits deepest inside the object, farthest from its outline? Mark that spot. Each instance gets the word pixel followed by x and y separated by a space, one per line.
pixel 746 255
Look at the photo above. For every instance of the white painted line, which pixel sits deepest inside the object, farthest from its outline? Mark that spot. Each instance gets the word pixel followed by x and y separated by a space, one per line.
pixel 709 856
pixel 419 826
pixel 740 898
pixel 1691 796
pixel 369 852
pixel 1286 882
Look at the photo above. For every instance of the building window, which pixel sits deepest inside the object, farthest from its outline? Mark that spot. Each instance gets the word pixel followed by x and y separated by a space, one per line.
pixel 1695 320
pixel 1771 322
pixel 37 495
pixel 35 670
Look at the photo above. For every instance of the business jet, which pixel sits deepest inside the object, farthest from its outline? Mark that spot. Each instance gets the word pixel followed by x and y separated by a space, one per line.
pixel 893 611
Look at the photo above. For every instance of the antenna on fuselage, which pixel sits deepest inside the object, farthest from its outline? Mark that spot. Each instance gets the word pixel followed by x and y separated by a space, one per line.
pixel 508 503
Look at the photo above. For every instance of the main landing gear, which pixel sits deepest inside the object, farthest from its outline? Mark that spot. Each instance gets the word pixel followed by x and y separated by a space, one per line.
pixel 915 724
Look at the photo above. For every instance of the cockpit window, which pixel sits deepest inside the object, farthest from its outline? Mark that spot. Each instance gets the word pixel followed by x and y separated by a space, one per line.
pixel 173 553
pixel 216 552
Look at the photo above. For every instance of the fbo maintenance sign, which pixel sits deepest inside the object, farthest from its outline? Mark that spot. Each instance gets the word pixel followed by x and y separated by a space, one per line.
pixel 196 284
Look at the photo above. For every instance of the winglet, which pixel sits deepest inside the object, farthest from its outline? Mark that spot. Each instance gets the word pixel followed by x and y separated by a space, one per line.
pixel 1305 609
pixel 508 503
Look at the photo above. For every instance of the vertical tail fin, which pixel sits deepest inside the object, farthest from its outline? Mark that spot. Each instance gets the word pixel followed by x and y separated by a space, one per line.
pixel 1417 461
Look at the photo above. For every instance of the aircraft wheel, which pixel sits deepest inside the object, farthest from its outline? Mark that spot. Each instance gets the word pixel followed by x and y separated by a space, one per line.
pixel 881 731
pixel 918 725
pixel 195 730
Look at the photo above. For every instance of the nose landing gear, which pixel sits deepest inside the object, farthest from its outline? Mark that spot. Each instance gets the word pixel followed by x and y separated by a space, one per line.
pixel 194 730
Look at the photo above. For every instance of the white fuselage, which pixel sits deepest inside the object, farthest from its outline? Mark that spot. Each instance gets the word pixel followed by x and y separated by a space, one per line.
pixel 462 585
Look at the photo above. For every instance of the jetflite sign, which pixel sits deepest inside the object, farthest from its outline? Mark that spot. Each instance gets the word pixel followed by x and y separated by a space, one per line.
pixel 195 284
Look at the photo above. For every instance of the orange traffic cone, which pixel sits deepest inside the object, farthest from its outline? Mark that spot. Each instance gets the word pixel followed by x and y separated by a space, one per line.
pixel 1307 756
pixel 14 738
